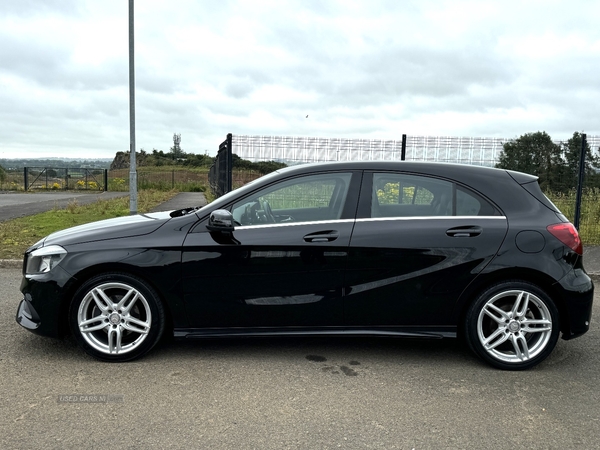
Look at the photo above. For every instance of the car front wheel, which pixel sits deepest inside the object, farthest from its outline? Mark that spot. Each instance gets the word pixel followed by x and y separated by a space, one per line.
pixel 513 325
pixel 116 317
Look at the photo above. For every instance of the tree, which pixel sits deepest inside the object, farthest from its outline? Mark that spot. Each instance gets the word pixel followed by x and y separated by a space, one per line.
pixel 262 167
pixel 572 151
pixel 535 153
pixel 198 160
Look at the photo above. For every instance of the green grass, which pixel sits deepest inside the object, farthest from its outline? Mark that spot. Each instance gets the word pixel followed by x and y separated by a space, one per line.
pixel 162 178
pixel 19 234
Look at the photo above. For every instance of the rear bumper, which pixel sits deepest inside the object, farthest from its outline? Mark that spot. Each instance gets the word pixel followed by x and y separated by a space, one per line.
pixel 579 297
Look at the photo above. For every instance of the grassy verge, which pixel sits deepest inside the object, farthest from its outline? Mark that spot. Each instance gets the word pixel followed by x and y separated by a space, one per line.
pixel 18 234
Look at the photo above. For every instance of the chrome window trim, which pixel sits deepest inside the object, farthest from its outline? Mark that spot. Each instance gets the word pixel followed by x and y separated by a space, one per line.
pixel 292 224
pixel 368 219
pixel 378 219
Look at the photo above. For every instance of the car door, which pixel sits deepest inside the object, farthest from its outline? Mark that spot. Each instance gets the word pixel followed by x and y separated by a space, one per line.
pixel 417 243
pixel 283 265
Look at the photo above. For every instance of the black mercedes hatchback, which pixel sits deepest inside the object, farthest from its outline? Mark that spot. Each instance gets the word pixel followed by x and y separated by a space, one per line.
pixel 356 249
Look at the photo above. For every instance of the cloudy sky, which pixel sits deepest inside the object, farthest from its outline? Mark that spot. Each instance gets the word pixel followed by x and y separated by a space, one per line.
pixel 357 69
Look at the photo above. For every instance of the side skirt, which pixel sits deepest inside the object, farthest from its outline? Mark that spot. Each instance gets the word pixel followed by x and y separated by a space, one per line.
pixel 406 332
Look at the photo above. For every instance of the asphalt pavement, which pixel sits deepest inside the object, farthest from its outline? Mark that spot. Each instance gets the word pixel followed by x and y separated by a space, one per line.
pixel 295 393
pixel 20 204
pixel 291 393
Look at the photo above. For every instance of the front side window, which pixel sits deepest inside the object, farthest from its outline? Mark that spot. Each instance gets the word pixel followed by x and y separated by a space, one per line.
pixel 303 199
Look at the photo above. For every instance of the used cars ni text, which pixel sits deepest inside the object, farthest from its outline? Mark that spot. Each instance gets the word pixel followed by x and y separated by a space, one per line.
pixel 413 249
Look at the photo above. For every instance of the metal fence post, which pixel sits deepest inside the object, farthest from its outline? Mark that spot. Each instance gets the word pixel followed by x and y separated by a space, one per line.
pixel 403 154
pixel 580 181
pixel 229 164
pixel 105 180
pixel 25 179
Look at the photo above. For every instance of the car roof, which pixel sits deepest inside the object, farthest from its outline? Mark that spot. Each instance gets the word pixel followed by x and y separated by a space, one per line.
pixel 448 170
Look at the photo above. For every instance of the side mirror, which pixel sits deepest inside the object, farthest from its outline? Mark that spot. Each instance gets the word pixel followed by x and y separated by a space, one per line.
pixel 220 220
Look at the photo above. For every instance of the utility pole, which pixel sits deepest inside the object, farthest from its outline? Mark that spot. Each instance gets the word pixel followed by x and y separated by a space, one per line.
pixel 132 162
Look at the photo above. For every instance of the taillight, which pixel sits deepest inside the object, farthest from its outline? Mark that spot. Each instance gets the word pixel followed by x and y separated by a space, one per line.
pixel 568 235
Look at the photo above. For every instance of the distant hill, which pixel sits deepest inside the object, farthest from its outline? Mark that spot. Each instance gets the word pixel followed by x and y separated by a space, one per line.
pixel 15 164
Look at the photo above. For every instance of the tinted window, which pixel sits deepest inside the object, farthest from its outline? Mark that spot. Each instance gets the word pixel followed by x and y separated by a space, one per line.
pixel 402 195
pixel 469 203
pixel 304 199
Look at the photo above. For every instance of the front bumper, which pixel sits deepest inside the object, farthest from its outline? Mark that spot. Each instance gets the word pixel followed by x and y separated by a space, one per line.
pixel 27 316
pixel 41 310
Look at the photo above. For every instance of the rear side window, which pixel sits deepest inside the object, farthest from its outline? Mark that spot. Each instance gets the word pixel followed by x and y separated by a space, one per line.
pixel 404 195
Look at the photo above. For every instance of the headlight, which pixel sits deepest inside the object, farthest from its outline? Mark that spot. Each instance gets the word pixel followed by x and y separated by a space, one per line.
pixel 44 259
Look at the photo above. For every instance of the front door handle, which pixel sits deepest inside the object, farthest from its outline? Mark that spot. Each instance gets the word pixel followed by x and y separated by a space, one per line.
pixel 322 236
pixel 468 231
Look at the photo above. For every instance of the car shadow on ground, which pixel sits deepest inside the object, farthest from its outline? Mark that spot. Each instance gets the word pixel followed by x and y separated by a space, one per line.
pixel 344 355
pixel 319 350
pixel 282 349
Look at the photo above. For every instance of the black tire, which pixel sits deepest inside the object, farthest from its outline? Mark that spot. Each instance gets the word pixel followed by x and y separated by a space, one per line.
pixel 116 317
pixel 513 325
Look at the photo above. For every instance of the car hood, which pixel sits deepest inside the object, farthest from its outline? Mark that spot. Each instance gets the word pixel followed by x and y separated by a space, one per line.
pixel 120 227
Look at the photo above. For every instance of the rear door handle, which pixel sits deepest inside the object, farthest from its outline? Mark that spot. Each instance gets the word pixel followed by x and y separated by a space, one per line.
pixel 468 231
pixel 322 236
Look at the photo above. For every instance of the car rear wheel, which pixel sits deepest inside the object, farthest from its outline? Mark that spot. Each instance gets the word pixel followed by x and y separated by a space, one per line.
pixel 513 325
pixel 116 317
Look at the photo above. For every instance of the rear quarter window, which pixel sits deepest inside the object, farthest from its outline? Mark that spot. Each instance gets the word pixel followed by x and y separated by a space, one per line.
pixel 468 203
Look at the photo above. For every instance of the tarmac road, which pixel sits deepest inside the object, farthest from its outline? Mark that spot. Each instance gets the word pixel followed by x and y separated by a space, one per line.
pixel 13 204
pixel 291 393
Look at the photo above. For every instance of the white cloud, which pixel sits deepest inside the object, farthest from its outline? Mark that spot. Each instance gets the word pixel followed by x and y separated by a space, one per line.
pixel 374 69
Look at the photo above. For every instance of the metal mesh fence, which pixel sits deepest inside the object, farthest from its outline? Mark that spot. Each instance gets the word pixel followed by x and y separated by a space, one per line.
pixel 64 178
pixel 294 150
pixel 465 150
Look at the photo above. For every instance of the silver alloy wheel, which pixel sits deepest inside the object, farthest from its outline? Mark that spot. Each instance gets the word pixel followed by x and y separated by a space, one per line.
pixel 514 326
pixel 114 318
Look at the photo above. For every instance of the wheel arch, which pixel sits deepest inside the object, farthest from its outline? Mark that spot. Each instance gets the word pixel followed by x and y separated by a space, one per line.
pixel 85 274
pixel 544 282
